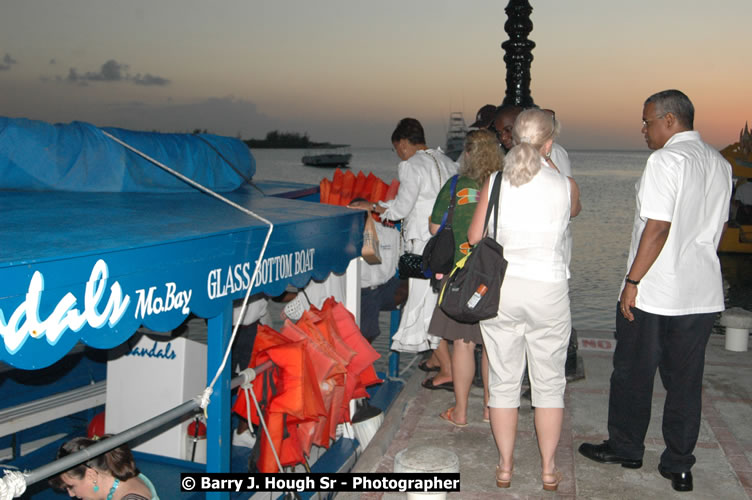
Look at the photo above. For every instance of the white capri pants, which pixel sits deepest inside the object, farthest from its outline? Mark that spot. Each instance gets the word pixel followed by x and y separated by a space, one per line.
pixel 534 324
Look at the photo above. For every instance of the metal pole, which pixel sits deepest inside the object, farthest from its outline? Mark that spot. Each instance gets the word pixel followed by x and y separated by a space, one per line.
pixel 518 54
pixel 105 445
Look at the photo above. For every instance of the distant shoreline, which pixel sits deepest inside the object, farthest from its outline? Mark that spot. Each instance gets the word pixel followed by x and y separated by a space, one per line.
pixel 261 144
pixel 289 140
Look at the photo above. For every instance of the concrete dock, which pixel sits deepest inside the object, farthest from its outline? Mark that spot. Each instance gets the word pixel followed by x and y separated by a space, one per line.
pixel 724 448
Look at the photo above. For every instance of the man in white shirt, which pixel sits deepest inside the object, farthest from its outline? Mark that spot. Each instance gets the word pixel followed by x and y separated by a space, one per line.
pixel 671 294
pixel 559 158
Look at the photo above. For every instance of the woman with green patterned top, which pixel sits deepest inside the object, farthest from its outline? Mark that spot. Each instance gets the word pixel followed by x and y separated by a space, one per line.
pixel 482 156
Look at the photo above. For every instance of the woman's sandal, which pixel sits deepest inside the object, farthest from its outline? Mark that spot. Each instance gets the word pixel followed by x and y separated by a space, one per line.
pixel 503 477
pixel 551 485
pixel 448 415
pixel 423 365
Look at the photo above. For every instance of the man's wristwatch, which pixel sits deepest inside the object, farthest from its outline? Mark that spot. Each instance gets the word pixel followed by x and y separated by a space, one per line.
pixel 631 282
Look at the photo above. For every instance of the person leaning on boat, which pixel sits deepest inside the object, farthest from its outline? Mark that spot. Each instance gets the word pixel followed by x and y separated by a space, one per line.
pixel 112 475
pixel 421 174
pixel 533 323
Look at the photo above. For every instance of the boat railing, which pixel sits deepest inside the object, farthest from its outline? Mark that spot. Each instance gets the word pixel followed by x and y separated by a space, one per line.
pixel 43 410
pixel 170 416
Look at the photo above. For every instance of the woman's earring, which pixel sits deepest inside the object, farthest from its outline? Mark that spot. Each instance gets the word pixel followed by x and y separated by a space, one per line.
pixel 96 486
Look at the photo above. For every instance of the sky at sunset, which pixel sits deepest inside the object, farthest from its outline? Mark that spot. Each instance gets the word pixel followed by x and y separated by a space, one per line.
pixel 346 71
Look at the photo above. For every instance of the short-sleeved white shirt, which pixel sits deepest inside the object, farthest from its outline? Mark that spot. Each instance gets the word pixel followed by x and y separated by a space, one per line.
pixel 560 157
pixel 687 183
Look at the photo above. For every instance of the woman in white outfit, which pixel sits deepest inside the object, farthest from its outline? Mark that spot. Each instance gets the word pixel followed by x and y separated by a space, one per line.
pixel 533 323
pixel 421 174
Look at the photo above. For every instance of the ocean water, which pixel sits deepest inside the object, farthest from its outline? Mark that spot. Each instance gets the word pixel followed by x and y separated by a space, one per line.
pixel 601 232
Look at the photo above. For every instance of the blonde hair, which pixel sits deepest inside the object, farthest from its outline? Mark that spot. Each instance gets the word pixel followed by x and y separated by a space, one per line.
pixel 532 128
pixel 484 155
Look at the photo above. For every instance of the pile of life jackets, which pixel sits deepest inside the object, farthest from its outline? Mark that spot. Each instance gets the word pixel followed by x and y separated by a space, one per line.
pixel 345 187
pixel 321 362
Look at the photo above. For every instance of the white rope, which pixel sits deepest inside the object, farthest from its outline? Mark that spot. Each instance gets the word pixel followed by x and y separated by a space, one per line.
pixel 248 411
pixel 404 370
pixel 247 389
pixel 206 394
pixel 12 484
pixel 183 178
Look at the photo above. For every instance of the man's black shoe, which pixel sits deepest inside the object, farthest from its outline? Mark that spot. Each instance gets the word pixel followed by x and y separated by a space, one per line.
pixel 680 481
pixel 603 453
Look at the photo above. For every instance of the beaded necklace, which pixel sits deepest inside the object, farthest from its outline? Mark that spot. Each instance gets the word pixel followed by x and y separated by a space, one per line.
pixel 114 487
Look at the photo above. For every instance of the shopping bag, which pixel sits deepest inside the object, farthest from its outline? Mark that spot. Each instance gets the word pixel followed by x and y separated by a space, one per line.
pixel 370 251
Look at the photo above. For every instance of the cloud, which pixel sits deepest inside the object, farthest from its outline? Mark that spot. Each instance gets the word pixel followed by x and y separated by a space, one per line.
pixel 149 79
pixel 8 61
pixel 111 71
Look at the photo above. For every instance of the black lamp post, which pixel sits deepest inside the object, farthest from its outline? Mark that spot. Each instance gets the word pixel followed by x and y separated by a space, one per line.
pixel 518 54
pixel 518 57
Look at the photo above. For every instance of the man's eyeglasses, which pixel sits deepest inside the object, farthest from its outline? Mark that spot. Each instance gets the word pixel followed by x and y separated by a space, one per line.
pixel 645 123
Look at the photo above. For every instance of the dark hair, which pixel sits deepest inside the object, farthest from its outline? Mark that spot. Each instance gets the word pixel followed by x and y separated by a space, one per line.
pixel 119 462
pixel 507 107
pixel 674 102
pixel 410 129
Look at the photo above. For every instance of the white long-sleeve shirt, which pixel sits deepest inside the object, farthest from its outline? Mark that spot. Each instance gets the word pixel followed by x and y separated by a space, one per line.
pixel 420 180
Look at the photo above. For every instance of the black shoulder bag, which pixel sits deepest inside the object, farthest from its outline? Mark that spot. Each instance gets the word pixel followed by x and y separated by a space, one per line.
pixel 472 290
pixel 410 265
pixel 438 254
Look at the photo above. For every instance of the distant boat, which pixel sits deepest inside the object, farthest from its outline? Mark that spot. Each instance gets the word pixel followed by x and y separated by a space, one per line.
pixel 328 159
pixel 455 141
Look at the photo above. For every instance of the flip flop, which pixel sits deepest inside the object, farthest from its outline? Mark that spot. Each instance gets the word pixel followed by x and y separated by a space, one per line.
pixel 423 366
pixel 428 384
pixel 447 415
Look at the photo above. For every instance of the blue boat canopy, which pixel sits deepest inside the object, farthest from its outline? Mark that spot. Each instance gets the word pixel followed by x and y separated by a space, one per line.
pixel 38 156
pixel 95 264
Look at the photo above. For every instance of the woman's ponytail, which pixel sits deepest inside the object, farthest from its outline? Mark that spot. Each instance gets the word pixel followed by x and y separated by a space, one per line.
pixel 521 164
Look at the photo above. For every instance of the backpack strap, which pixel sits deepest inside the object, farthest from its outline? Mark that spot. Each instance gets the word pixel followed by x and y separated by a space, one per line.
pixel 446 219
pixel 493 203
